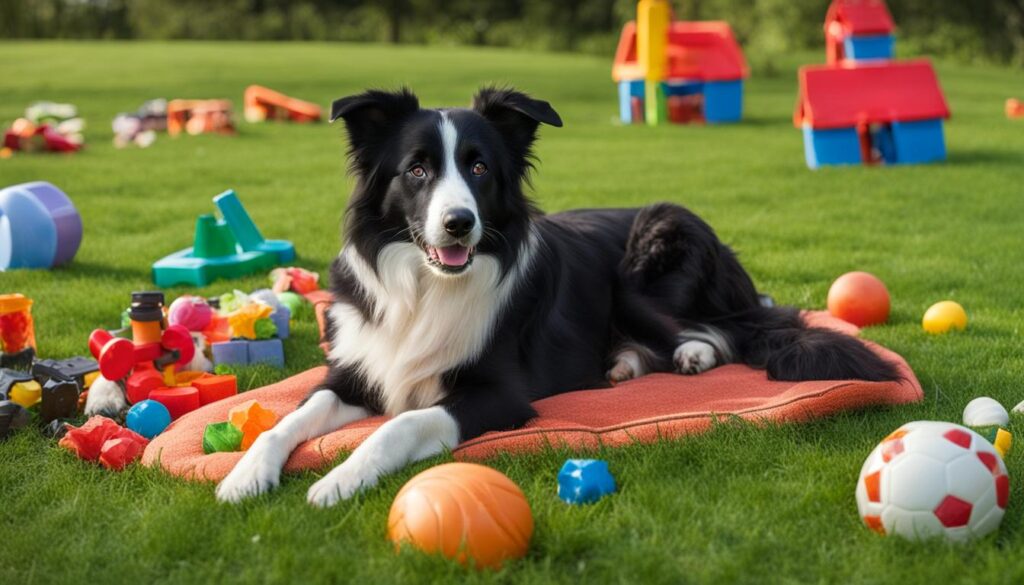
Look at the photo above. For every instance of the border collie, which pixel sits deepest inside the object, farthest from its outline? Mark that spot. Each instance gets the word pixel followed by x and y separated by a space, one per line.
pixel 457 302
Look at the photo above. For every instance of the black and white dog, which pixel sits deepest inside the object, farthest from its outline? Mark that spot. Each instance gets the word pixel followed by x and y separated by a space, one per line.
pixel 458 303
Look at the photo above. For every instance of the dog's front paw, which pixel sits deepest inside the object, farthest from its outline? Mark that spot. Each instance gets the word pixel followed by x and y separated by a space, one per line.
pixel 341 483
pixel 694 357
pixel 251 477
pixel 106 398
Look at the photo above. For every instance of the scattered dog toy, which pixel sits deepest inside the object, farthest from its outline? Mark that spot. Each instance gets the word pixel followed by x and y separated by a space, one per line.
pixel 463 511
pixel 179 400
pixel 199 117
pixel 39 226
pixel 213 388
pixel 17 329
pixel 584 481
pixel 103 440
pixel 13 416
pixel 192 313
pixel 252 420
pixel 293 279
pixel 1000 438
pixel 859 298
pixel 929 479
pixel 140 128
pixel 59 400
pixel 944 316
pixel 221 437
pixel 148 418
pixel 46 126
pixel 1014 108
pixel 985 412
pixel 261 104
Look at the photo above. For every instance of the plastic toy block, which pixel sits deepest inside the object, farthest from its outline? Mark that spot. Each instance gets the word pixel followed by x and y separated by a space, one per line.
pixel 75 369
pixel 8 378
pixel 246 232
pixel 178 400
pixel 12 417
pixel 918 142
pixel 282 318
pixel 212 256
pixel 19 360
pixel 214 388
pixel 267 351
pixel 261 103
pixel 251 419
pixel 867 47
pixel 656 108
pixel 27 394
pixel 59 400
pixel 39 226
pixel 231 352
pixel 840 146
pixel 116 454
pixel 584 481
pixel 141 383
pixel 188 378
pixel 221 437
pixel 723 101
pixel 148 418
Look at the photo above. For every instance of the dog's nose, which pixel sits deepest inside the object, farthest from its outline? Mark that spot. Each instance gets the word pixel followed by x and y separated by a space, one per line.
pixel 459 221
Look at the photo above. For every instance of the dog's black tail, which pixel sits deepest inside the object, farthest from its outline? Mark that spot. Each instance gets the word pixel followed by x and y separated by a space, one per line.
pixel 778 340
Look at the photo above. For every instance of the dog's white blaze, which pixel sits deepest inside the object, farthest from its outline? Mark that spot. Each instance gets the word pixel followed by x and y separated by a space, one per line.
pixel 424 324
pixel 451 191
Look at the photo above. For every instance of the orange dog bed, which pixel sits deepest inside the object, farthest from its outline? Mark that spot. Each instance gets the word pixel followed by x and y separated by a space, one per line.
pixel 643 410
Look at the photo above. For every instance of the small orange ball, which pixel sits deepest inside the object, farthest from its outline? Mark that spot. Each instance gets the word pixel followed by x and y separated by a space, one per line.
pixel 859 298
pixel 464 512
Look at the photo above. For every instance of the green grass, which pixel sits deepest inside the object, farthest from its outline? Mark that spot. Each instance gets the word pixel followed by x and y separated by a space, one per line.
pixel 740 504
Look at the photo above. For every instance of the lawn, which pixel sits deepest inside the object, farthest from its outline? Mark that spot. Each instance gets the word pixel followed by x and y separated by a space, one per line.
pixel 740 504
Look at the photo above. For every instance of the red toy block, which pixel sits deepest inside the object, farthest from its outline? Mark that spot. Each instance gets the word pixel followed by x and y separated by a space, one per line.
pixel 178 400
pixel 214 388
pixel 117 453
pixel 141 383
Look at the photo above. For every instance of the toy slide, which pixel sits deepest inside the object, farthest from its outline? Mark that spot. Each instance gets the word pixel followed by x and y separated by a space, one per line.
pixel 645 410
pixel 261 103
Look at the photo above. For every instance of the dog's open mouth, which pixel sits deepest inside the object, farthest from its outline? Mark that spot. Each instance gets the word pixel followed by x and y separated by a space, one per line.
pixel 451 259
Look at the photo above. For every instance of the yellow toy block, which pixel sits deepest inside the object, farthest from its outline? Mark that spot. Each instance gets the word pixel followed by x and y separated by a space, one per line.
pixel 652 20
pixel 89 378
pixel 27 394
pixel 1003 442
pixel 252 419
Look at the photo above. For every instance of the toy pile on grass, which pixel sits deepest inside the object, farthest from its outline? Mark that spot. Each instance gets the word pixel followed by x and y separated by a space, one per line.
pixel 200 117
pixel 45 127
pixel 140 128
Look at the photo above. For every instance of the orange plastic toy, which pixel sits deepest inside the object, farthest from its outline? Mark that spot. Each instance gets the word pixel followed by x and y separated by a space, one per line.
pixel 214 388
pixel 261 103
pixel 179 400
pixel 252 419
pixel 199 117
pixel 17 330
pixel 465 512
pixel 1014 108
pixel 859 298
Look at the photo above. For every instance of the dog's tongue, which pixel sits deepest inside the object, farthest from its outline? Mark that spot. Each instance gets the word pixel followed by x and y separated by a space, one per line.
pixel 453 255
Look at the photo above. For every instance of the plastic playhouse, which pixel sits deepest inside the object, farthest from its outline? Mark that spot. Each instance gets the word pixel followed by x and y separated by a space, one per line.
pixel 678 71
pixel 871 110
pixel 858 30
pixel 261 103
pixel 228 248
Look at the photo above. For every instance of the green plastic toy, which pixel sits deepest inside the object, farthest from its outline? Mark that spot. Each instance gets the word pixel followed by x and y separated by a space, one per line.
pixel 221 437
pixel 230 248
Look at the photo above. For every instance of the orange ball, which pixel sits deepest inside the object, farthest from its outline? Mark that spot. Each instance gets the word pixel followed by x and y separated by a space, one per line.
pixel 463 511
pixel 859 298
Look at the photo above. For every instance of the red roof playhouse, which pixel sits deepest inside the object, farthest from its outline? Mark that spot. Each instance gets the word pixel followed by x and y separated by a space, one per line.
pixel 868 110
pixel 698 71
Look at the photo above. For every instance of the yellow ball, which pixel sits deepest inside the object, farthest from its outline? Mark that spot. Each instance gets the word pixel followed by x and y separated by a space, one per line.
pixel 943 316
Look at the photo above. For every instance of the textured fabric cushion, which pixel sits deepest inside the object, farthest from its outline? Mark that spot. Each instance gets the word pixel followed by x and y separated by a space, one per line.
pixel 644 410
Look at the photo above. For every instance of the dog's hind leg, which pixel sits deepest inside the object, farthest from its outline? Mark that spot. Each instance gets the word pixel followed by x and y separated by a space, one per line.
pixel 701 348
pixel 259 470
pixel 631 360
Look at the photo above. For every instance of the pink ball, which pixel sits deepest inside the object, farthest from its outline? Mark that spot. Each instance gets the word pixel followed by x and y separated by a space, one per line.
pixel 192 313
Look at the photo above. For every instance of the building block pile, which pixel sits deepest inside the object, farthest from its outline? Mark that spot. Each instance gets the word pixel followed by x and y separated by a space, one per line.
pixel 675 71
pixel 863 106
pixel 246 422
pixel 46 126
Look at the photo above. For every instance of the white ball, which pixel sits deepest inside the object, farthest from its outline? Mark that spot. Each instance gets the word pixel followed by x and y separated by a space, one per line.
pixel 929 479
pixel 985 412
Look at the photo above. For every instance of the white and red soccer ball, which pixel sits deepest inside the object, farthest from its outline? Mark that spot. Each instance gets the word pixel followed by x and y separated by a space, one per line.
pixel 930 479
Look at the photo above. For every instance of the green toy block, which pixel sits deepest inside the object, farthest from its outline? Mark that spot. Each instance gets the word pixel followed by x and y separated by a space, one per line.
pixel 231 248
pixel 655 103
pixel 221 437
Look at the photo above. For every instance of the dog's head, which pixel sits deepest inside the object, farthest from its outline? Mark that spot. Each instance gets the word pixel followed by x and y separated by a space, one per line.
pixel 448 180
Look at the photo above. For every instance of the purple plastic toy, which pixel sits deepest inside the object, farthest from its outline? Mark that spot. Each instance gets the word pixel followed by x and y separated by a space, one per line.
pixel 39 226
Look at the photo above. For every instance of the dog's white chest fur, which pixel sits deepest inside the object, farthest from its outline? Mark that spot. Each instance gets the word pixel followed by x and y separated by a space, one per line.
pixel 424 324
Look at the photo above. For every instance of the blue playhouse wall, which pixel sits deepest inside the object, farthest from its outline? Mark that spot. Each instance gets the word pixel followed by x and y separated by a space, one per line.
pixel 898 143
pixel 723 100
pixel 867 47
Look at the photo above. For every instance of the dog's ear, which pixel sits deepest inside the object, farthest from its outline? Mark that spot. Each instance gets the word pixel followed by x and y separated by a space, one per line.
pixel 372 119
pixel 516 116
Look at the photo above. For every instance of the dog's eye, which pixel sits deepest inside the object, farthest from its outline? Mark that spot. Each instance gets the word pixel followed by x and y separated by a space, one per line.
pixel 479 169
pixel 418 171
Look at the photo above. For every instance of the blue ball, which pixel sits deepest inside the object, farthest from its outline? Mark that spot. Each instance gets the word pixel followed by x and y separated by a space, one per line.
pixel 584 481
pixel 149 418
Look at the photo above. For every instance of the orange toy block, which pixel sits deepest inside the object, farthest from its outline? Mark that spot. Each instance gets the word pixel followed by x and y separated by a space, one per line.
pixel 1014 108
pixel 252 419
pixel 214 388
pixel 261 103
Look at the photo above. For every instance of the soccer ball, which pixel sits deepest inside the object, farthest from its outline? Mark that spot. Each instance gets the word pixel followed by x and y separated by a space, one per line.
pixel 930 479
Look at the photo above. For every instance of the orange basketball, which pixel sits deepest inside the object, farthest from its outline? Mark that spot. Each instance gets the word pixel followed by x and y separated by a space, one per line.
pixel 463 511
pixel 859 298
